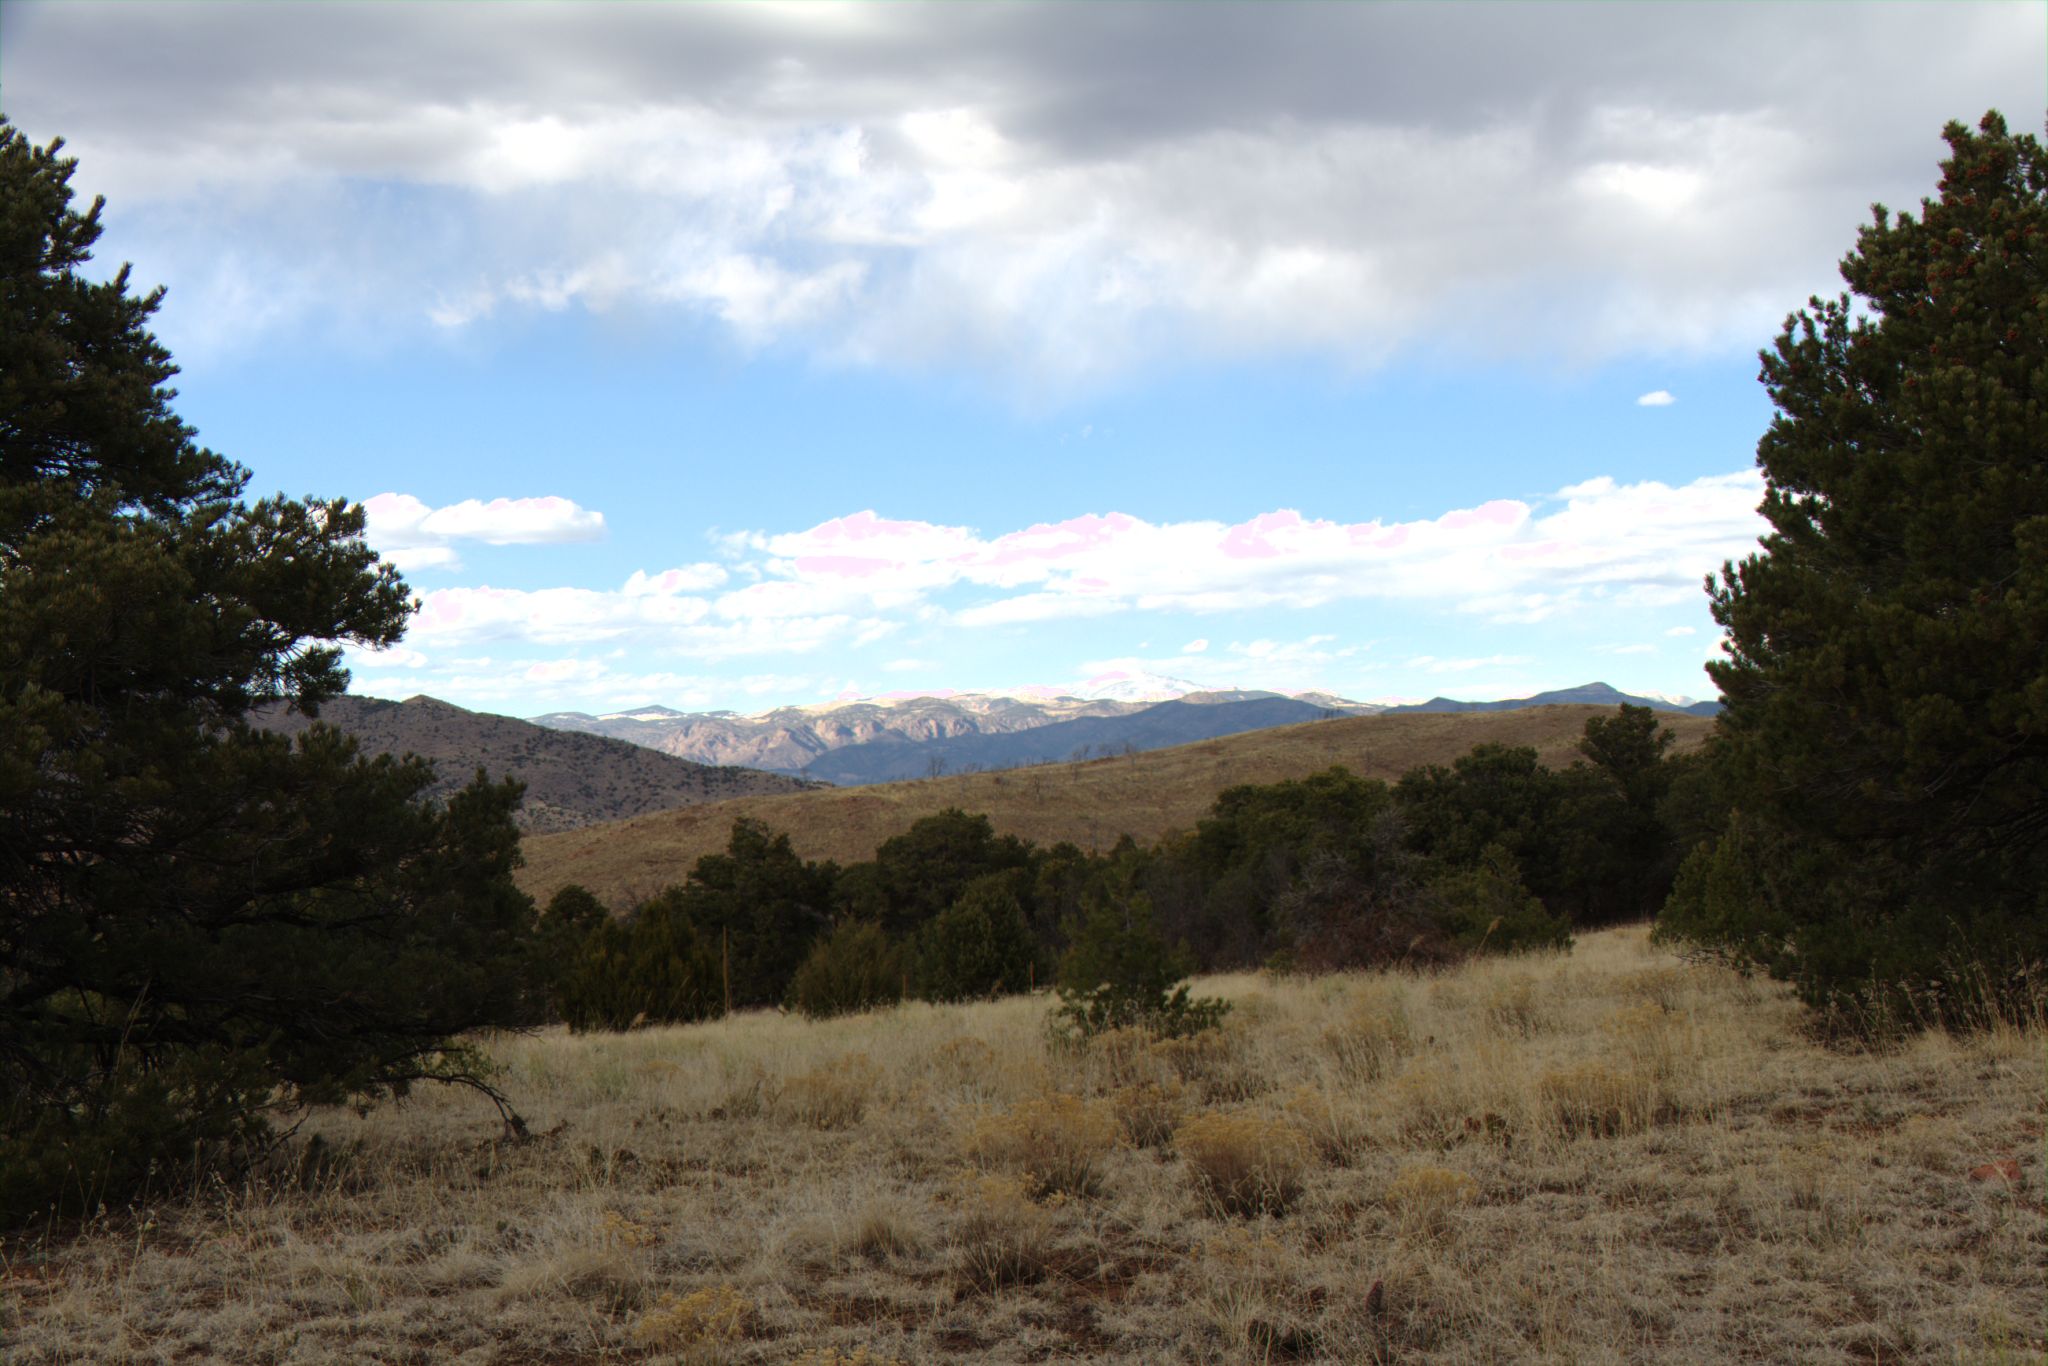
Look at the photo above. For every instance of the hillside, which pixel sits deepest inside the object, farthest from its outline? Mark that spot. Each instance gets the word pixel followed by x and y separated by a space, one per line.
pixel 571 780
pixel 1155 727
pixel 1092 804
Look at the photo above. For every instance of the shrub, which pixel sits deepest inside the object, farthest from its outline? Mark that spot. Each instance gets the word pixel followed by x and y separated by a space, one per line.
pixel 699 1323
pixel 1147 1112
pixel 1244 1163
pixel 1119 973
pixel 834 1096
pixel 853 968
pixel 1003 1238
pixel 651 968
pixel 1054 1143
pixel 978 946
pixel 1485 907
pixel 1421 1198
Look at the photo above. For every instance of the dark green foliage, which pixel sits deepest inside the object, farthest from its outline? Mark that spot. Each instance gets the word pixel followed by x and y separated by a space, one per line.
pixel 1616 853
pixel 1315 873
pixel 1496 794
pixel 199 923
pixel 759 906
pixel 978 946
pixel 1486 908
pixel 855 967
pixel 922 871
pixel 572 916
pixel 653 967
pixel 1886 732
pixel 1119 973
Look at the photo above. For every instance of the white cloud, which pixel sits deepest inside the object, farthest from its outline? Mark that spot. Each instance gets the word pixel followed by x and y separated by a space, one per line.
pixel 1592 548
pixel 1009 188
pixel 1656 398
pixel 413 535
pixel 1681 631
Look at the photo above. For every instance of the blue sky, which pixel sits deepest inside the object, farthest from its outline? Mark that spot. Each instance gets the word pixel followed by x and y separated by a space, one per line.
pixel 739 356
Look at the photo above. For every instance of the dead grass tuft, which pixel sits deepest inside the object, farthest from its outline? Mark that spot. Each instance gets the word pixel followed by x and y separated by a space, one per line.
pixel 1054 1143
pixel 1422 1198
pixel 1003 1238
pixel 1244 1163
pixel 702 1325
pixel 1597 1100
pixel 834 1096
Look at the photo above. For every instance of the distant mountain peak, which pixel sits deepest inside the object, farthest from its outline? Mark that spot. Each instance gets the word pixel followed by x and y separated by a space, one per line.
pixel 1132 685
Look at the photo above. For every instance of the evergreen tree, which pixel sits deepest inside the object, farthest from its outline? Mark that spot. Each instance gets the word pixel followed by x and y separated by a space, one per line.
pixel 1887 678
pixel 978 945
pixel 199 922
pixel 756 908
pixel 1119 973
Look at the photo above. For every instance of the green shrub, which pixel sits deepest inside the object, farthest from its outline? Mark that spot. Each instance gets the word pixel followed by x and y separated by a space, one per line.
pixel 1119 973
pixel 653 968
pixel 977 946
pixel 1485 908
pixel 855 967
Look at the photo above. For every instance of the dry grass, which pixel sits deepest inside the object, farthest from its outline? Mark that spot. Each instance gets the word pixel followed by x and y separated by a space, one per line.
pixel 1607 1156
pixel 1092 804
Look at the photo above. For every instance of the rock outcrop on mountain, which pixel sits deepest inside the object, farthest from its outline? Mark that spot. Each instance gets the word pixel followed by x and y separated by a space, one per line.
pixel 790 739
pixel 880 740
pixel 571 780
pixel 1196 717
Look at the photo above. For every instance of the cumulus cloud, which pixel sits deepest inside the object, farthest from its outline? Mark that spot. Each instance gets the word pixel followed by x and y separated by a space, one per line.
pixel 1595 547
pixel 1656 398
pixel 1643 544
pixel 413 535
pixel 1052 193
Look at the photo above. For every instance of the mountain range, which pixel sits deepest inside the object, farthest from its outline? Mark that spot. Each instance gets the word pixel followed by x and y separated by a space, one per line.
pixel 1599 694
pixel 876 740
pixel 571 780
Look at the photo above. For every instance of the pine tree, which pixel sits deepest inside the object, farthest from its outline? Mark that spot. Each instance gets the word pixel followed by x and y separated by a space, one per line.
pixel 1887 678
pixel 199 922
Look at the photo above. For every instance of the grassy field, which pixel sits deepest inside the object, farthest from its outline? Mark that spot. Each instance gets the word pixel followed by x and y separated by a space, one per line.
pixel 1092 804
pixel 1602 1156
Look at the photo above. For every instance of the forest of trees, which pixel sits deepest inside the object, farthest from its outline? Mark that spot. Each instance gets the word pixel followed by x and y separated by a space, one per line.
pixel 1496 853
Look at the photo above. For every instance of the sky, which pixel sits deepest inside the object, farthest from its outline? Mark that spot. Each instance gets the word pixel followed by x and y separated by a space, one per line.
pixel 738 356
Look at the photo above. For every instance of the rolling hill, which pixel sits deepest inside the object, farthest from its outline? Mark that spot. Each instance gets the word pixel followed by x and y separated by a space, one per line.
pixel 1144 795
pixel 571 780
